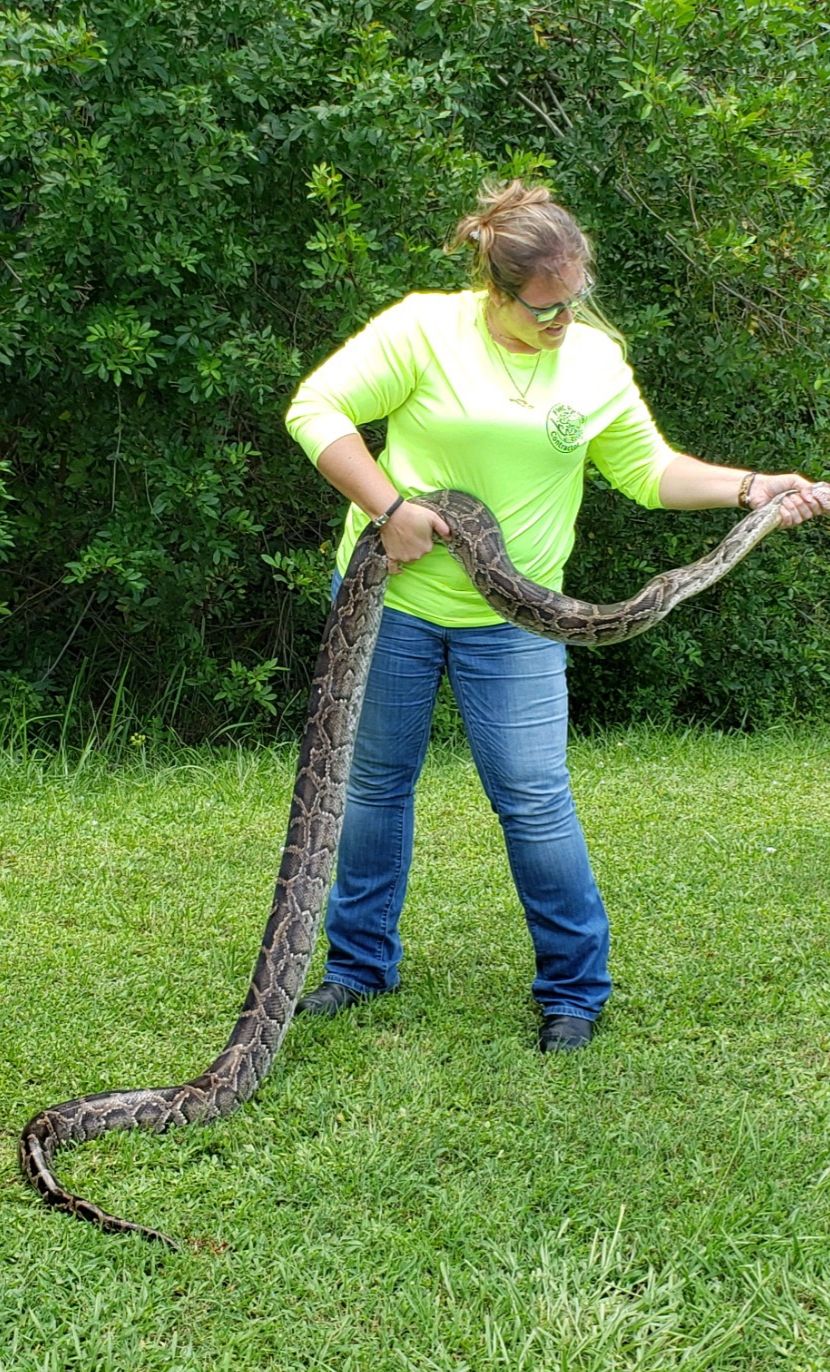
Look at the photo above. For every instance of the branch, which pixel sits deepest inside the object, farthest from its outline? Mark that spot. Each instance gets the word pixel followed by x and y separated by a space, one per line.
pixel 537 109
pixel 79 622
pixel 634 197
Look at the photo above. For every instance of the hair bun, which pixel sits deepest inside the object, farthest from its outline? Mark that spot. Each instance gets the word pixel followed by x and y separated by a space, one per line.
pixel 518 230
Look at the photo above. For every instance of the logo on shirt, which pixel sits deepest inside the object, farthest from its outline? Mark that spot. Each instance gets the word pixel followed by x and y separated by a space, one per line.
pixel 565 427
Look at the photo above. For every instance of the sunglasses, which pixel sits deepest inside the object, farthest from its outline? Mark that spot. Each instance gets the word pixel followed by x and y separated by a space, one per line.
pixel 548 313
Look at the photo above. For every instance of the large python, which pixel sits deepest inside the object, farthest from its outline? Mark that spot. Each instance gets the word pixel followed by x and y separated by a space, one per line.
pixel 317 809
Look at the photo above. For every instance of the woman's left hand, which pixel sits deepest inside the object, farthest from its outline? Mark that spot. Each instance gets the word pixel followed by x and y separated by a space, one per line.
pixel 808 498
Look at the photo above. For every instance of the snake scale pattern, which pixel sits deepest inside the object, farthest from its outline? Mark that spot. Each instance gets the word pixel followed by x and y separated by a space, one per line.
pixel 317 809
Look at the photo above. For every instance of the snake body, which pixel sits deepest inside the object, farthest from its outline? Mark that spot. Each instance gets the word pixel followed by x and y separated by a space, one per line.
pixel 317 810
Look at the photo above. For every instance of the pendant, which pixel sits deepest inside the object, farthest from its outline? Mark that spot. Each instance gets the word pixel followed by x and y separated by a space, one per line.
pixel 517 400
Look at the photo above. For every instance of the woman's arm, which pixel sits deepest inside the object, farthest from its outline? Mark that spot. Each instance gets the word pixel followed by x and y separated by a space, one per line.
pixel 689 484
pixel 349 466
pixel 369 377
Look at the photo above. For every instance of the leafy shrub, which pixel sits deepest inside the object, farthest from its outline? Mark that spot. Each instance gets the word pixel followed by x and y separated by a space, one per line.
pixel 200 202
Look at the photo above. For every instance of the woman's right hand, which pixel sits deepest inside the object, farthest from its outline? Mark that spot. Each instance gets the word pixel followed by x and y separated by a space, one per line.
pixel 410 534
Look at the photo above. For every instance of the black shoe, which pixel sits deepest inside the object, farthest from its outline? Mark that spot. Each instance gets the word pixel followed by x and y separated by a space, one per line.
pixel 330 998
pixel 564 1033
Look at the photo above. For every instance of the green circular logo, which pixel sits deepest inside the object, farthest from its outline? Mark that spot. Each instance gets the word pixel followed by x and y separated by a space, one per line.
pixel 565 427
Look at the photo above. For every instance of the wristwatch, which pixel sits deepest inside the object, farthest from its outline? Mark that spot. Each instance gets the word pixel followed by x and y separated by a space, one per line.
pixel 387 514
pixel 744 489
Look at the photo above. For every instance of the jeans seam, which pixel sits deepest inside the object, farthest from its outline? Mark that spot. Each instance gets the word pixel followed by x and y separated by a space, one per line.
pixel 391 901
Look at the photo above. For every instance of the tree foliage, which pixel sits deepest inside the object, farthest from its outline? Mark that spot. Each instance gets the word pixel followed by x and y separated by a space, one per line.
pixel 199 202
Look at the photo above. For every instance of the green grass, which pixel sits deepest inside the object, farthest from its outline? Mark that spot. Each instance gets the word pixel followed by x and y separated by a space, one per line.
pixel 415 1189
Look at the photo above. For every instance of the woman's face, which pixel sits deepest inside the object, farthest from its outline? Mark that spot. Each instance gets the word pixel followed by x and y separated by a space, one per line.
pixel 514 320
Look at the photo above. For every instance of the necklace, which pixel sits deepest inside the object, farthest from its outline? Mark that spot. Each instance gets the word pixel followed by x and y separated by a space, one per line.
pixel 521 395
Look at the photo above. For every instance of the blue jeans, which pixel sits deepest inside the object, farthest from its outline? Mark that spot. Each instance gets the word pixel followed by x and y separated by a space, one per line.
pixel 510 689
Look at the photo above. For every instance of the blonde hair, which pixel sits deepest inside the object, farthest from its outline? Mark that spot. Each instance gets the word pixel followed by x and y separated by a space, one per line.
pixel 518 230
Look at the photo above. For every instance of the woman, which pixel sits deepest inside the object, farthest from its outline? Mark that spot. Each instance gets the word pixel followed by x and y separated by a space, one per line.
pixel 503 392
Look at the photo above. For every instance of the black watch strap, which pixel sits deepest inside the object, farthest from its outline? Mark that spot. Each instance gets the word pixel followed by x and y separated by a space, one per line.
pixel 387 514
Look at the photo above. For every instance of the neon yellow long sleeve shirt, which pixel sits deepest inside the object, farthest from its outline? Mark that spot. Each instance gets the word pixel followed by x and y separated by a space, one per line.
pixel 448 391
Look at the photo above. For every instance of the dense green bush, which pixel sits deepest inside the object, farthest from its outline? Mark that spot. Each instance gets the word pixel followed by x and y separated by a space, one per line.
pixel 710 149
pixel 200 201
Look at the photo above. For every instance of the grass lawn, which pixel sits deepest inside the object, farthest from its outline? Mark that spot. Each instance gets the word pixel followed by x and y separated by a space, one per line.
pixel 416 1189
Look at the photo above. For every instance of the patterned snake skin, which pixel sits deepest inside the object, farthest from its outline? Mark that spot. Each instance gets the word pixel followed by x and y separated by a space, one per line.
pixel 317 809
